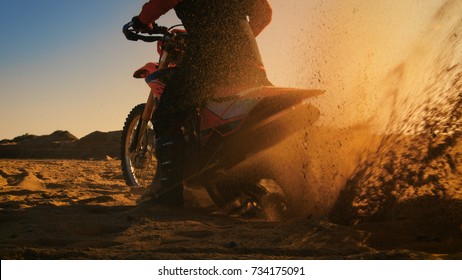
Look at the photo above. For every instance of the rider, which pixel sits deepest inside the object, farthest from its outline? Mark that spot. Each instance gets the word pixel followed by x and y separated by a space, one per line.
pixel 221 51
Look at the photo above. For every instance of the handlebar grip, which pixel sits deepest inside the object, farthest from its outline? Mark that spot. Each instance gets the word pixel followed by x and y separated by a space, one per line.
pixel 129 33
pixel 132 35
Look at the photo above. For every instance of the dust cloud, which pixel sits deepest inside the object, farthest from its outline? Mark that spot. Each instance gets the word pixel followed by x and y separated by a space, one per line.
pixel 390 124
pixel 415 172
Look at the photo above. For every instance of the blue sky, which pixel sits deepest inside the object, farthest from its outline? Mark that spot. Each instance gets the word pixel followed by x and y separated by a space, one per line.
pixel 66 65
pixel 36 32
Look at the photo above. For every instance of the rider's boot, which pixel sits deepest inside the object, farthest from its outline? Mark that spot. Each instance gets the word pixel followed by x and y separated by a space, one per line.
pixel 167 185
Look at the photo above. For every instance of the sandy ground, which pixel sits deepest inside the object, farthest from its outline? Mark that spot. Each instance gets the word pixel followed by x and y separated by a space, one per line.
pixel 357 196
pixel 73 209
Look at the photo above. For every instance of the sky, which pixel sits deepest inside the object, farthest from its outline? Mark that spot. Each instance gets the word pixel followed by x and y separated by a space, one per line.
pixel 65 65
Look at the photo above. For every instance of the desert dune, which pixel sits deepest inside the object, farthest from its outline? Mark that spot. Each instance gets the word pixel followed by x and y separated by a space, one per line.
pixel 82 209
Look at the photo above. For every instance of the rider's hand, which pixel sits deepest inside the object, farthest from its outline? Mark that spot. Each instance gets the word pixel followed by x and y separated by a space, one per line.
pixel 139 26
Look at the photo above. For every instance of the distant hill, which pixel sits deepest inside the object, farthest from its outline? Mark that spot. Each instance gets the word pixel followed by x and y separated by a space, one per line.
pixel 62 145
pixel 58 135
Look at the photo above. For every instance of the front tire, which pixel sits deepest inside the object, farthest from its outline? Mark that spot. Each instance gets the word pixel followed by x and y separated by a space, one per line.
pixel 139 162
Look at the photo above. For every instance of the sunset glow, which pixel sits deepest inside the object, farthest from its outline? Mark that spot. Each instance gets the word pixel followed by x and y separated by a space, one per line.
pixel 72 70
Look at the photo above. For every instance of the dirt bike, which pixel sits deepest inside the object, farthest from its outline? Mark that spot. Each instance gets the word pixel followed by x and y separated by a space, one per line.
pixel 234 125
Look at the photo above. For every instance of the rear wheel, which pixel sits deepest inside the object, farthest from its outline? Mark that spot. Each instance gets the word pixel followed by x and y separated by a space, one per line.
pixel 263 199
pixel 138 161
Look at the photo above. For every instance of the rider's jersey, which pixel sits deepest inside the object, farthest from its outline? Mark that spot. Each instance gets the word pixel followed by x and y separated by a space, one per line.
pixel 221 43
pixel 153 9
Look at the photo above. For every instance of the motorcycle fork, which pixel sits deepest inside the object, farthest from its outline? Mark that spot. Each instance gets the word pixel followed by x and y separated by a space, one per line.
pixel 150 106
pixel 139 141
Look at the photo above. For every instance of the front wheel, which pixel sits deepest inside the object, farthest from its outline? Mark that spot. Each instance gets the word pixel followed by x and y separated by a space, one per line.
pixel 138 148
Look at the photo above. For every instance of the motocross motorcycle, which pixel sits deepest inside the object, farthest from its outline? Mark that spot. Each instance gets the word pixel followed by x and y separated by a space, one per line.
pixel 234 125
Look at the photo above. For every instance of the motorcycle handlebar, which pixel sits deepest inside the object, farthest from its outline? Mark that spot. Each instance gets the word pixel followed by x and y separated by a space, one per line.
pixel 133 35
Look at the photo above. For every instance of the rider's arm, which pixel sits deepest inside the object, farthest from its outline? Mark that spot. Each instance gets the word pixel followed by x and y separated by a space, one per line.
pixel 153 9
pixel 260 16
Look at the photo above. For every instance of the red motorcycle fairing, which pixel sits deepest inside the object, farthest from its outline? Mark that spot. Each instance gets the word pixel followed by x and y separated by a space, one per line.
pixel 146 70
pixel 226 112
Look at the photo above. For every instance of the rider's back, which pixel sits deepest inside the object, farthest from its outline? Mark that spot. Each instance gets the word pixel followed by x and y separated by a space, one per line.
pixel 221 42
